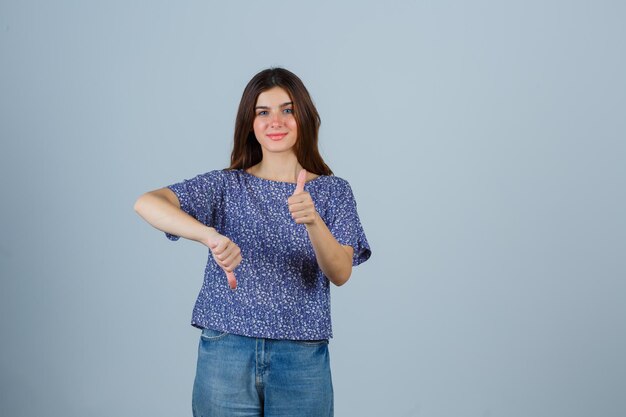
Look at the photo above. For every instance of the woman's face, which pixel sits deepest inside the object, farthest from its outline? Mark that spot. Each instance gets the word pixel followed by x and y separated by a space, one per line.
pixel 274 124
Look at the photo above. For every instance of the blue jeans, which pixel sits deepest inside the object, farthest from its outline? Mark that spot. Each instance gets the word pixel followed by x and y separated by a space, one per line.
pixel 246 376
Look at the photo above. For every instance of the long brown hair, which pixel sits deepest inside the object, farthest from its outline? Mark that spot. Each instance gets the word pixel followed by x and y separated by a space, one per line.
pixel 246 149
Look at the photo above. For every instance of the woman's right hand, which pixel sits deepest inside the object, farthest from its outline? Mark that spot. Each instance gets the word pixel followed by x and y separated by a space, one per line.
pixel 227 255
pixel 161 209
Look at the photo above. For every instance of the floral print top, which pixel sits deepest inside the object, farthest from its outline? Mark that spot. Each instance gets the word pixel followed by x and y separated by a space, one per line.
pixel 281 291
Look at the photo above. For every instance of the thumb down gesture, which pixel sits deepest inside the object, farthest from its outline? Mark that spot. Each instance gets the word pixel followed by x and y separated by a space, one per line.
pixel 227 255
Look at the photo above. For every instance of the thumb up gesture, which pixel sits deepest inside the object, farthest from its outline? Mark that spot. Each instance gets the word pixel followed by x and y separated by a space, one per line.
pixel 301 204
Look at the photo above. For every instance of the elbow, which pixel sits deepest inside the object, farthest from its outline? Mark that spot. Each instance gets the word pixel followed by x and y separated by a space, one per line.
pixel 140 204
pixel 342 278
pixel 340 283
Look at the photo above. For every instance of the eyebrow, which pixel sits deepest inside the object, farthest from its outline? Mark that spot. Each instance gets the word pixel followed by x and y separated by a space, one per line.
pixel 289 103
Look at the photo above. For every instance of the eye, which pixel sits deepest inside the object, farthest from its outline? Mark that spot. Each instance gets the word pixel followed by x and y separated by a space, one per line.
pixel 288 111
pixel 262 113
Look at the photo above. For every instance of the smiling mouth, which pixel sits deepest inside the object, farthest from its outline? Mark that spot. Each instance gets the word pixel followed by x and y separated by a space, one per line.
pixel 276 136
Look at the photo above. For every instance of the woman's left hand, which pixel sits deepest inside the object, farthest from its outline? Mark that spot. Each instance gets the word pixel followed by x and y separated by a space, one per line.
pixel 334 259
pixel 301 204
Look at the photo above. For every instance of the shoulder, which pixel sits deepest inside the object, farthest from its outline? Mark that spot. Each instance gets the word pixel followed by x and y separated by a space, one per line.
pixel 333 189
pixel 217 176
pixel 211 180
pixel 336 185
pixel 331 180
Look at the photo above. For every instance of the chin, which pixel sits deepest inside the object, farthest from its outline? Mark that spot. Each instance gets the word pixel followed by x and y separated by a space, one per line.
pixel 278 148
pixel 279 151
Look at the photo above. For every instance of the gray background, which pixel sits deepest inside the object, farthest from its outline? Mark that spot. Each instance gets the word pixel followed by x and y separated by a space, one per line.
pixel 485 143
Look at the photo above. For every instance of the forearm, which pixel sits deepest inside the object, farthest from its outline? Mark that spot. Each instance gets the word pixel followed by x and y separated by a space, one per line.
pixel 334 260
pixel 164 214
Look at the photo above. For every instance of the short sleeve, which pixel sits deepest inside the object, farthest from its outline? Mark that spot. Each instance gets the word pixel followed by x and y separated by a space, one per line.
pixel 345 224
pixel 199 197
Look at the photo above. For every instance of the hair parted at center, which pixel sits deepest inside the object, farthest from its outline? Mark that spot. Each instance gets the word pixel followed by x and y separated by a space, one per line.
pixel 246 149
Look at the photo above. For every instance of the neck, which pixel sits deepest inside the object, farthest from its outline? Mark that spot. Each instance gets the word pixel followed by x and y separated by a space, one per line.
pixel 277 167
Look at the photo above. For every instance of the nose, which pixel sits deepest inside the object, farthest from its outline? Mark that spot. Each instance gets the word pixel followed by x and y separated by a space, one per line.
pixel 277 119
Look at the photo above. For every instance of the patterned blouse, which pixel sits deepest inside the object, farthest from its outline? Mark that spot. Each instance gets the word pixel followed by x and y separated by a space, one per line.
pixel 281 292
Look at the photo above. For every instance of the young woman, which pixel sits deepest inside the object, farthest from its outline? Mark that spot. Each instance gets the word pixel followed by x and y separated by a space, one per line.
pixel 279 228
